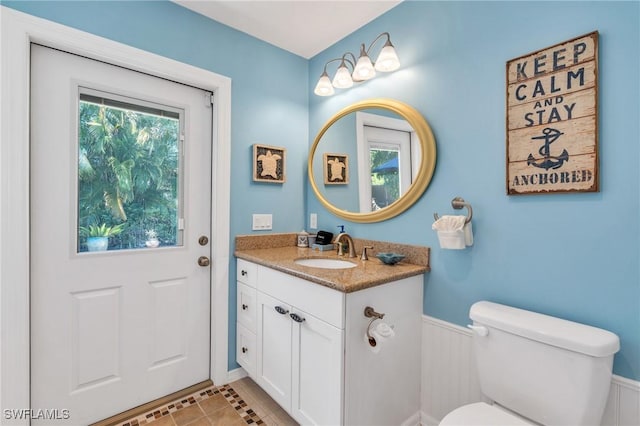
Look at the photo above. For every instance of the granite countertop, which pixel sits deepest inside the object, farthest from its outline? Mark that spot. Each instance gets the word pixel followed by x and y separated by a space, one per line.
pixel 366 274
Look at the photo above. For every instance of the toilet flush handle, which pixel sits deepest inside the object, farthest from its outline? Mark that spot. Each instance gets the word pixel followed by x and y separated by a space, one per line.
pixel 480 330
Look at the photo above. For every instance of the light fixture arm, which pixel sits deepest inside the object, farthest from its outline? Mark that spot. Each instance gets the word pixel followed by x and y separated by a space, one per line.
pixel 376 39
pixel 351 62
pixel 342 60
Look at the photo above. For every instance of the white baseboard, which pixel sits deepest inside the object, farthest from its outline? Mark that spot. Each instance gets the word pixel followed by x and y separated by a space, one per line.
pixel 449 378
pixel 234 375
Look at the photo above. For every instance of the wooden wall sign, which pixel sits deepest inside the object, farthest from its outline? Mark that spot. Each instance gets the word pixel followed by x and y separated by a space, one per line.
pixel 552 119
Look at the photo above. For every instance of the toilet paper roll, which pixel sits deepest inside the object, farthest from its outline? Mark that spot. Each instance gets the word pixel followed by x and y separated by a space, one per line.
pixel 380 333
pixel 374 345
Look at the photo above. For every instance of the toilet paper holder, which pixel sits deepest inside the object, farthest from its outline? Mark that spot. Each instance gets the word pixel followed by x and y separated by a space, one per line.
pixel 458 203
pixel 369 312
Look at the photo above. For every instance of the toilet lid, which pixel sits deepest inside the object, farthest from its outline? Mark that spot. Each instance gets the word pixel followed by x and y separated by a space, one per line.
pixel 482 414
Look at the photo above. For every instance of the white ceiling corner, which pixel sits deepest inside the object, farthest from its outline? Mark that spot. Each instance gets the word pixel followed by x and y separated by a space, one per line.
pixel 303 27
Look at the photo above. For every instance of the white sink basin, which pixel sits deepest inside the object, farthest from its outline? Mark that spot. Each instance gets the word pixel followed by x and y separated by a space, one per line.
pixel 324 263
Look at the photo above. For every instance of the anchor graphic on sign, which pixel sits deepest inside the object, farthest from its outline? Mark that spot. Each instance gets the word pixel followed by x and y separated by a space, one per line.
pixel 549 162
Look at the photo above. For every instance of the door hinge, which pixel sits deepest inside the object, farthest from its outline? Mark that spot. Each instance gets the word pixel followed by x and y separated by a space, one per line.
pixel 208 99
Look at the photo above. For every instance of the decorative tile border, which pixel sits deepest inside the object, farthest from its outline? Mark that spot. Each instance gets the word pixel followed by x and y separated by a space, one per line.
pixel 232 397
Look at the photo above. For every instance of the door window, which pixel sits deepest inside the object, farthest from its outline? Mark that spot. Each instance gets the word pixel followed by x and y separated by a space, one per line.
pixel 129 173
pixel 385 178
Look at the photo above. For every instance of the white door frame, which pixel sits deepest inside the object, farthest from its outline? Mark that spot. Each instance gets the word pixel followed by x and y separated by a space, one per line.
pixel 17 31
pixel 364 173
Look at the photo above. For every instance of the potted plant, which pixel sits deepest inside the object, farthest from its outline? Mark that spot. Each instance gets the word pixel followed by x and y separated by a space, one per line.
pixel 98 235
pixel 152 238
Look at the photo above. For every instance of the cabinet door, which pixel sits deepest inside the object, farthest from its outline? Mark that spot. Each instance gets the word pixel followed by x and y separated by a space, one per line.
pixel 246 350
pixel 274 349
pixel 246 307
pixel 318 350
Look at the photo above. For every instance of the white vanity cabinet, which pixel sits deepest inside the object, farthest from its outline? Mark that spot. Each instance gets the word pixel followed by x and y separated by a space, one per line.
pixel 311 353
pixel 300 346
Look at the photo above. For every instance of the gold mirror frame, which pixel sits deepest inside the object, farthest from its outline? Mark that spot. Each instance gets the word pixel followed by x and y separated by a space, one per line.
pixel 419 185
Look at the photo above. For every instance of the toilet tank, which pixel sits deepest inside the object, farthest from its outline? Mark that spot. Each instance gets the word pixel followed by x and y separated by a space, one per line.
pixel 550 370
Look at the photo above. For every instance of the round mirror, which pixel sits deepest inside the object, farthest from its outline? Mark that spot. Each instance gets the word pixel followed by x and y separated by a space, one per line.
pixel 372 160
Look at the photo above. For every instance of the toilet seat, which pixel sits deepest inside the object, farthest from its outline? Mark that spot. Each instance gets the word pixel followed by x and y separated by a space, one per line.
pixel 482 414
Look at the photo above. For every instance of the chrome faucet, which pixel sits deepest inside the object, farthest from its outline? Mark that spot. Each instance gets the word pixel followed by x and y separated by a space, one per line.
pixel 352 248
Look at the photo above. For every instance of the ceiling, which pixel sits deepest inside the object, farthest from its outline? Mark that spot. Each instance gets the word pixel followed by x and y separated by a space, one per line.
pixel 303 27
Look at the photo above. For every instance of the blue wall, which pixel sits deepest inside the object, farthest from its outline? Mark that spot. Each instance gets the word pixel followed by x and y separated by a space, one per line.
pixel 574 256
pixel 269 98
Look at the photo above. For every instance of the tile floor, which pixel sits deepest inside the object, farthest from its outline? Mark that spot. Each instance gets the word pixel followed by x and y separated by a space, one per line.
pixel 239 403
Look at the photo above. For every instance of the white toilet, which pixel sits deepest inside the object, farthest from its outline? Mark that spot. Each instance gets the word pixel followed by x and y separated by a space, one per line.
pixel 537 369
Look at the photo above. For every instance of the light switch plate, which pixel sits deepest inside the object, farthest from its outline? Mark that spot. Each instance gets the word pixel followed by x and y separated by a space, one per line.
pixel 313 221
pixel 262 222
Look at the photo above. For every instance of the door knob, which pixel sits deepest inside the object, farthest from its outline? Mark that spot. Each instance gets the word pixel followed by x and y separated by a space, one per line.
pixel 203 261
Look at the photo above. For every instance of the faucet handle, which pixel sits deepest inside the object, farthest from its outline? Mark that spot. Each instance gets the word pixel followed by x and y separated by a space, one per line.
pixel 340 248
pixel 364 252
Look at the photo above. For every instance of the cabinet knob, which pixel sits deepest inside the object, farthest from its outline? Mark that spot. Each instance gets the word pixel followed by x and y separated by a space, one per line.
pixel 244 350
pixel 244 307
pixel 243 273
pixel 281 310
pixel 296 317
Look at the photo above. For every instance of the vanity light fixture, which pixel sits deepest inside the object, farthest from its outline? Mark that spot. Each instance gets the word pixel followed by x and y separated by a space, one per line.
pixel 358 70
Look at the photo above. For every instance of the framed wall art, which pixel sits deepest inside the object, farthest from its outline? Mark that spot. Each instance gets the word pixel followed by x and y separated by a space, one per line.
pixel 336 169
pixel 268 163
pixel 552 119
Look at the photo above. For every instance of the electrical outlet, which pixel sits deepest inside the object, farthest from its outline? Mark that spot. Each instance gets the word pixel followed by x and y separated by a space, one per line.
pixel 262 222
pixel 313 221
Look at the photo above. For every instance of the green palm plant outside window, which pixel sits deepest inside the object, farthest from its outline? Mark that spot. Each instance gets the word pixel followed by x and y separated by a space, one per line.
pixel 128 163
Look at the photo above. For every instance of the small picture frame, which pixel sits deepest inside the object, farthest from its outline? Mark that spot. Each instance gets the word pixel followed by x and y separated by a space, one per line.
pixel 268 163
pixel 336 169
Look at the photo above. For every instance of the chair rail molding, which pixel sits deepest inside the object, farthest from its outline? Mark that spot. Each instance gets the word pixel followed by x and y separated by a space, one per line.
pixel 17 31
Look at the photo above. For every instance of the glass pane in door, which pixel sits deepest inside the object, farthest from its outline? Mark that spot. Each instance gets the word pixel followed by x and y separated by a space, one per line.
pixel 129 173
pixel 385 182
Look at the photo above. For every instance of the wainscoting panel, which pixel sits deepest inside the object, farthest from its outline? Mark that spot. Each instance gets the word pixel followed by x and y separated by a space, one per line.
pixel 449 378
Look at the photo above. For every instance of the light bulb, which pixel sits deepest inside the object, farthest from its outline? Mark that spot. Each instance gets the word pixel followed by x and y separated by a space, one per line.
pixel 388 59
pixel 364 68
pixel 342 79
pixel 324 87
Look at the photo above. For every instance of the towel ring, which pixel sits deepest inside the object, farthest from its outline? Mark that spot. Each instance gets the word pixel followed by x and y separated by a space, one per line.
pixel 458 203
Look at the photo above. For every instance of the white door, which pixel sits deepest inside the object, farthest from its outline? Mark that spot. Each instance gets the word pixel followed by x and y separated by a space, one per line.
pixel 395 147
pixel 274 349
pixel 113 329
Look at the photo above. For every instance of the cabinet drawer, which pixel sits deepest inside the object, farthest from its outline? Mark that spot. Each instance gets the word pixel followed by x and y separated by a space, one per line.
pixel 246 350
pixel 322 302
pixel 246 306
pixel 247 272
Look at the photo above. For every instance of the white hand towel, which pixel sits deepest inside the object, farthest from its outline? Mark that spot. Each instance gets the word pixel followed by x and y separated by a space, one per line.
pixel 449 223
pixel 450 232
